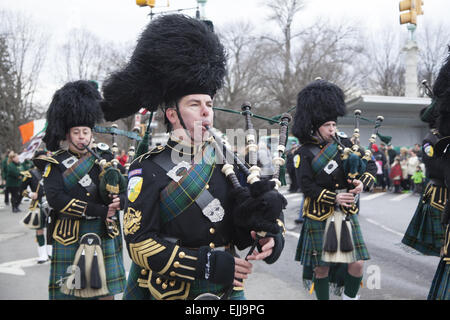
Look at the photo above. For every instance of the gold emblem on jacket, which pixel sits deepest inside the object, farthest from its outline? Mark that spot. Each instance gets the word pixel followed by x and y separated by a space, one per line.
pixel 131 221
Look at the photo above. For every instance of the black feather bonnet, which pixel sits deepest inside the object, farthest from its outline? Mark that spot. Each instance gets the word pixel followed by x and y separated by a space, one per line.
pixel 75 104
pixel 175 56
pixel 319 102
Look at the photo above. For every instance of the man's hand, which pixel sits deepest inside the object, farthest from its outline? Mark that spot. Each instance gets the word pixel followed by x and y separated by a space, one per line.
pixel 266 244
pixel 359 186
pixel 242 269
pixel 113 207
pixel 345 199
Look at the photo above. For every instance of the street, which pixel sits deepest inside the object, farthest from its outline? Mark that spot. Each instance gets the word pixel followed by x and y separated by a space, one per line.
pixel 394 272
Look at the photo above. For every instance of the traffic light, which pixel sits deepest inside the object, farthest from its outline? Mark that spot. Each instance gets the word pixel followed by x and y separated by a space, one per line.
pixel 143 3
pixel 419 4
pixel 411 16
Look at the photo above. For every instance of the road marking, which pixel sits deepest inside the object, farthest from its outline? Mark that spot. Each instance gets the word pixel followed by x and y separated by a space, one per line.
pixel 293 234
pixel 402 196
pixel 15 267
pixel 372 196
pixel 6 236
pixel 293 195
pixel 384 227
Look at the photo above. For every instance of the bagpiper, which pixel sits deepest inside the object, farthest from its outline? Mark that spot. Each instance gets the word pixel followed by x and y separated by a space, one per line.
pixel 425 232
pixel 87 261
pixel 178 224
pixel 331 247
pixel 33 187
pixel 440 286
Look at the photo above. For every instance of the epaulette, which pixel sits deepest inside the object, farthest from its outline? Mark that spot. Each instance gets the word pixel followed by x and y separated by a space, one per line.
pixel 41 161
pixel 153 151
pixel 26 175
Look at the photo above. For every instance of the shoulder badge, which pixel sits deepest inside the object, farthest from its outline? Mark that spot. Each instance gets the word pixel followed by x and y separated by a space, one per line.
pixel 429 151
pixel 48 167
pixel 134 188
pixel 297 160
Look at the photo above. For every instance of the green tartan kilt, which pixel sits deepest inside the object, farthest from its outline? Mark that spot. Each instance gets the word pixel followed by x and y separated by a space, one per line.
pixel 440 287
pixel 63 256
pixel 134 292
pixel 425 232
pixel 309 247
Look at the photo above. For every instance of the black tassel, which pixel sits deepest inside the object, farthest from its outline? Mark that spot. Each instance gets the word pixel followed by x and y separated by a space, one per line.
pixel 36 220
pixel 346 239
pixel 331 238
pixel 96 281
pixel 82 267
pixel 27 218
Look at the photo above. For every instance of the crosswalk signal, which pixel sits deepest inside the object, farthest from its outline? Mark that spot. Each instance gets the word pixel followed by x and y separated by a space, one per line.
pixel 411 16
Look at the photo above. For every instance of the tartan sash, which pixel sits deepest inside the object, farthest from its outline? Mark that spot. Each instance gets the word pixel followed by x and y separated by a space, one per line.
pixel 178 196
pixel 78 170
pixel 325 155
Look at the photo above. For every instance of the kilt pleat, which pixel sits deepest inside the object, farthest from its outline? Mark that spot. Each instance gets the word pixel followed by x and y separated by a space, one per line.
pixel 309 247
pixel 440 286
pixel 425 232
pixel 63 257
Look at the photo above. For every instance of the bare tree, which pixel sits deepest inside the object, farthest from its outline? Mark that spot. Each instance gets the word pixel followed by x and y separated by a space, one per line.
pixel 27 49
pixel 385 67
pixel 241 84
pixel 279 77
pixel 433 41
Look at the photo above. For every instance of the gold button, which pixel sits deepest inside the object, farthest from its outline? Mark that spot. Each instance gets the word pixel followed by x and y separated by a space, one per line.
pixel 337 185
pixel 164 286
pixel 173 273
pixel 207 186
pixel 143 272
pixel 176 264
pixel 212 230
pixel 172 283
pixel 88 194
pixel 158 281
pixel 182 254
pixel 212 245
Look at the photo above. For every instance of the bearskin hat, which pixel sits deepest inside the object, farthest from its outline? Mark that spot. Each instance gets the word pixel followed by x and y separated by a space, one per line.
pixel 175 56
pixel 75 104
pixel 319 102
pixel 441 90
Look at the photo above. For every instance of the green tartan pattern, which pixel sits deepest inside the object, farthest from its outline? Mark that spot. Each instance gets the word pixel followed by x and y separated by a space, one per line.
pixel 440 287
pixel 178 196
pixel 63 256
pixel 134 292
pixel 309 247
pixel 326 154
pixel 425 232
pixel 78 170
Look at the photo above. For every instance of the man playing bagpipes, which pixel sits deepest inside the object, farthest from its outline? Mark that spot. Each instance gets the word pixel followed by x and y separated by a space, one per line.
pixel 425 232
pixel 178 223
pixel 331 238
pixel 33 187
pixel 440 287
pixel 87 259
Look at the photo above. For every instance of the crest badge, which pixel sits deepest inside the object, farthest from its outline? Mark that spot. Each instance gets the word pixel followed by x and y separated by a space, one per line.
pixel 134 188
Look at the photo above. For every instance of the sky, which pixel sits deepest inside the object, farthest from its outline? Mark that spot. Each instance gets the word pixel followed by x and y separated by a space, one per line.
pixel 123 20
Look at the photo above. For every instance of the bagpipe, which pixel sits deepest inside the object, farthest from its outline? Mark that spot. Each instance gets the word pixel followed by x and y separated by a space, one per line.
pixel 354 158
pixel 260 204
